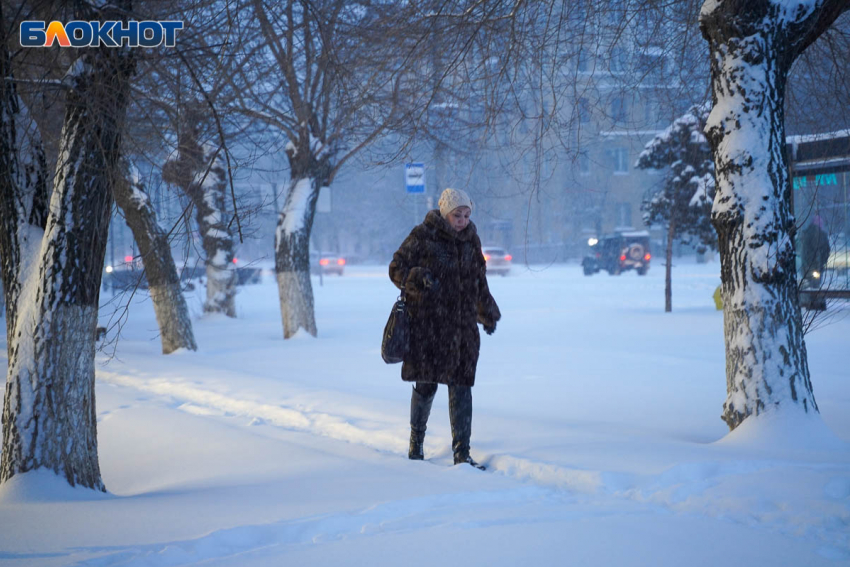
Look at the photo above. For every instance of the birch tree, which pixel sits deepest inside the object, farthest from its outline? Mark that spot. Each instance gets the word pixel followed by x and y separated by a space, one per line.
pixel 49 417
pixel 752 47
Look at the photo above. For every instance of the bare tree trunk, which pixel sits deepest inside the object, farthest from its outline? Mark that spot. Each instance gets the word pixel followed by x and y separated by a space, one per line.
pixel 668 276
pixel 199 172
pixel 752 46
pixel 23 191
pixel 49 410
pixel 310 169
pixel 292 256
pixel 172 315
pixel 210 196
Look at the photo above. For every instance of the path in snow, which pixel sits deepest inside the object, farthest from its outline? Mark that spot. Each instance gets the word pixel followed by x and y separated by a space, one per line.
pixel 688 488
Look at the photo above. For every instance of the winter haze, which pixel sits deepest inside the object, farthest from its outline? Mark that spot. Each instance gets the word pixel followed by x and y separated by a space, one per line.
pixel 195 249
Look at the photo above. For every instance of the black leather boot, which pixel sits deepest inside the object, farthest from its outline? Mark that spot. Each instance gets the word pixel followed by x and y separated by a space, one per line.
pixel 460 415
pixel 420 409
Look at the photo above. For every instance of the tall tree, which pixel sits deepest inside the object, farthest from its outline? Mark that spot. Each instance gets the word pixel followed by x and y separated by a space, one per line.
pixel 317 78
pixel 181 132
pixel 49 417
pixel 199 171
pixel 752 46
pixel 683 203
pixel 172 314
pixel 23 190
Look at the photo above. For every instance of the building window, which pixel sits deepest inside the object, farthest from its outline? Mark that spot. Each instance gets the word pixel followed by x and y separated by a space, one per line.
pixel 624 215
pixel 681 106
pixel 651 65
pixel 579 10
pixel 505 131
pixel 648 114
pixel 617 11
pixel 618 109
pixel 584 163
pixel 583 110
pixel 620 157
pixel 618 60
pixel 582 64
pixel 476 112
pixel 548 163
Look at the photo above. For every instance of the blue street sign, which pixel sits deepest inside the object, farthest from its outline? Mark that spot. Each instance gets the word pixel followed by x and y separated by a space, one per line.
pixel 414 177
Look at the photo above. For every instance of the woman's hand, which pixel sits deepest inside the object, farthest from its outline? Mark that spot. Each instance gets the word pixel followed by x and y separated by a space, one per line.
pixel 429 282
pixel 420 280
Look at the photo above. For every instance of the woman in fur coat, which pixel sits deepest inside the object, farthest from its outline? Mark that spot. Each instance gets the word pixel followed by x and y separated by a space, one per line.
pixel 442 270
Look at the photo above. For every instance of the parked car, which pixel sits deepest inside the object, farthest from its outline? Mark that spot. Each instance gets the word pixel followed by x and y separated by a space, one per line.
pixel 123 278
pixel 326 263
pixel 128 277
pixel 618 252
pixel 498 260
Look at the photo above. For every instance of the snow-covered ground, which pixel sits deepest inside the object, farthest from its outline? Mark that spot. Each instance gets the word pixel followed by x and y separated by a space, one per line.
pixel 597 414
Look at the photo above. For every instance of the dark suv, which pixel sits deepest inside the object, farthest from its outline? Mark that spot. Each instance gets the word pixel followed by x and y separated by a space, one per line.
pixel 617 253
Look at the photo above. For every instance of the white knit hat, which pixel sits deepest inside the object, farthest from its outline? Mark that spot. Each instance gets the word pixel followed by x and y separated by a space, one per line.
pixel 452 199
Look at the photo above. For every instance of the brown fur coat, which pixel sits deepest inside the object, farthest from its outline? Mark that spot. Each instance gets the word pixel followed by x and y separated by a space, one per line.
pixel 445 282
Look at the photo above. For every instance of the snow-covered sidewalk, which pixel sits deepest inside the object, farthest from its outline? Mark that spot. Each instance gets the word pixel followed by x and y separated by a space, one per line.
pixel 596 413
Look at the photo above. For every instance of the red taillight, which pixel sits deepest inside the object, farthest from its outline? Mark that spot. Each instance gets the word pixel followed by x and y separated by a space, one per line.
pixel 508 258
pixel 128 258
pixel 647 257
pixel 341 261
pixel 234 260
pixel 599 254
pixel 487 257
pixel 623 258
pixel 323 262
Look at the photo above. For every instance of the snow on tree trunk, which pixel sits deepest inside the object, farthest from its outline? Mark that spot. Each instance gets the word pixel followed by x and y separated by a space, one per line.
pixel 199 171
pixel 310 169
pixel 210 197
pixel 292 256
pixel 172 314
pixel 752 46
pixel 49 410
pixel 23 191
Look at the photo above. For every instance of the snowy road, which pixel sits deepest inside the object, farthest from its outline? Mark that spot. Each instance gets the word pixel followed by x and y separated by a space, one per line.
pixel 597 414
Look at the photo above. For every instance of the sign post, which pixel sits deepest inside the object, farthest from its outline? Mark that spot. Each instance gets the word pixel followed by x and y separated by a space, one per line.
pixel 414 182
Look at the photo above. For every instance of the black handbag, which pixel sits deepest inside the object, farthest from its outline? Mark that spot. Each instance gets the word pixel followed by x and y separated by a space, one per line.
pixel 396 333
